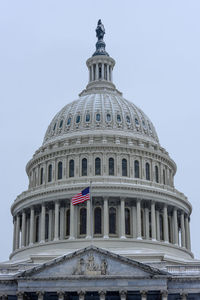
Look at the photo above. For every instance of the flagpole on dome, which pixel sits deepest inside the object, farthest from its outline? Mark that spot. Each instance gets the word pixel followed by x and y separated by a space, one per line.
pixel 91 214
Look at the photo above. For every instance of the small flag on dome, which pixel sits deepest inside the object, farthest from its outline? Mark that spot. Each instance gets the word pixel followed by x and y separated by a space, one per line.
pixel 83 196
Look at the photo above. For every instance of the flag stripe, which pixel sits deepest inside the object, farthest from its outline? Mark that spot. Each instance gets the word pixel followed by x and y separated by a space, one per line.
pixel 84 195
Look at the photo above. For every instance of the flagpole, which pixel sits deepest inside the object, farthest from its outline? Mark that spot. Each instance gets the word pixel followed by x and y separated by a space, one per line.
pixel 91 214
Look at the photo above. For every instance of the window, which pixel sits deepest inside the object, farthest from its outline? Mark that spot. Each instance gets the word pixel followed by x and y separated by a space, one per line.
pixel 98 117
pixel 78 118
pixel 84 167
pixel 54 127
pixel 83 216
pixel 100 71
pixel 128 119
pixel 87 118
pixel 124 167
pixel 97 220
pixel 71 168
pixel 60 170
pixel 137 169
pixel 147 167
pixel 97 166
pixel 37 229
pixel 112 220
pixel 164 177
pixel 127 221
pixel 111 166
pixel 119 118
pixel 61 124
pixel 156 174
pixel 136 122
pixel 41 175
pixel 49 173
pixel 108 117
pixel 69 121
pixel 161 228
pixel 46 226
pixel 68 222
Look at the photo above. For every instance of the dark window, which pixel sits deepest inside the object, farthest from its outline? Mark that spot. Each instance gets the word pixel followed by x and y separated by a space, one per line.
pixel 137 169
pixel 97 166
pixel 143 123
pixel 161 228
pixel 69 121
pixel 71 168
pixel 87 118
pixel 54 127
pixel 100 71
pixel 97 220
pixel 111 166
pixel 127 221
pixel 147 167
pixel 78 118
pixel 108 117
pixel 46 226
pixel 112 220
pixel 124 167
pixel 37 229
pixel 119 118
pixel 94 72
pixel 83 216
pixel 169 229
pixel 68 222
pixel 156 174
pixel 60 170
pixel 98 117
pixel 136 122
pixel 41 176
pixel 164 177
pixel 49 173
pixel 84 167
pixel 128 119
pixel 61 124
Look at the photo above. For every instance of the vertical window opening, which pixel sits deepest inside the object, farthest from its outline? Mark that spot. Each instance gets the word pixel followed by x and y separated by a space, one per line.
pixel 127 221
pixel 147 171
pixel 156 174
pixel 111 166
pixel 136 169
pixel 84 167
pixel 49 173
pixel 46 226
pixel 124 167
pixel 71 168
pixel 97 220
pixel 41 175
pixel 112 220
pixel 67 222
pixel 60 170
pixel 97 166
pixel 83 216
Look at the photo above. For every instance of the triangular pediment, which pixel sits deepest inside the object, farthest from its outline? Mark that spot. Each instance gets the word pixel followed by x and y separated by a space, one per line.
pixel 91 261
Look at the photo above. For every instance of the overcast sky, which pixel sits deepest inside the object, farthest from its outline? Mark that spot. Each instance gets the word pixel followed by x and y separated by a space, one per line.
pixel 43 49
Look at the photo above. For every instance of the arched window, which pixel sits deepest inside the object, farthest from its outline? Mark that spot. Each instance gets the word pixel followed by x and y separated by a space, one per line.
pixel 161 228
pixel 127 221
pixel 108 117
pixel 97 220
pixel 97 166
pixel 71 168
pixel 124 167
pixel 111 166
pixel 49 173
pixel 84 167
pixel 87 118
pixel 46 226
pixel 41 175
pixel 112 220
pixel 83 216
pixel 61 124
pixel 98 117
pixel 164 177
pixel 100 71
pixel 147 167
pixel 60 170
pixel 156 174
pixel 37 221
pixel 137 169
pixel 78 118
pixel 67 222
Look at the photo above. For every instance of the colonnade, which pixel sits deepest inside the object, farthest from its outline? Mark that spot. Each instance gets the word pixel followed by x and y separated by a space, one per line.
pixel 118 218
pixel 98 71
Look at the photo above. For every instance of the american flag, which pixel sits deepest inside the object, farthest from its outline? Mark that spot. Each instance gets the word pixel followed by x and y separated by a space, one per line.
pixel 84 195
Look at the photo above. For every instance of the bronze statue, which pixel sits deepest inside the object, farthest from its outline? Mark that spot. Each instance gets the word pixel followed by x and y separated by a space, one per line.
pixel 100 30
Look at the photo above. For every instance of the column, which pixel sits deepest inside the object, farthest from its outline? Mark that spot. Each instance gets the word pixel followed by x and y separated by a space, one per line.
pixel 107 72
pixel 146 223
pixel 138 208
pixel 122 295
pixel 102 295
pixel 89 223
pixel 17 232
pixel 182 230
pixel 62 221
pixel 175 223
pixel 105 218
pixel 92 67
pixel 189 240
pixel 20 296
pixel 72 233
pixel 153 221
pixel 42 228
pixel 157 225
pixel 143 295
pixel 32 226
pixel 56 224
pixel 14 233
pixel 23 229
pixel 122 209
pixel 102 71
pixel 50 225
pixel 187 235
pixel 81 295
pixel 164 295
pixel 183 296
pixel 61 295
pixel 40 295
pixel 96 75
pixel 111 74
pixel 134 224
pixel 165 223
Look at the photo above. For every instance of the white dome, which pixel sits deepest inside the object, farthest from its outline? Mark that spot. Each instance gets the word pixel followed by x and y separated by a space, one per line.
pixel 101 111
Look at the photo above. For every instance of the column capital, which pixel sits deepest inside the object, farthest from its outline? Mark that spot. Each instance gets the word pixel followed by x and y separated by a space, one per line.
pixel 123 292
pixel 61 295
pixel 143 292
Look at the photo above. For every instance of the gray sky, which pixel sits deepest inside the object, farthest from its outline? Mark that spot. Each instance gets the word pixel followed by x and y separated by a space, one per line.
pixel 43 49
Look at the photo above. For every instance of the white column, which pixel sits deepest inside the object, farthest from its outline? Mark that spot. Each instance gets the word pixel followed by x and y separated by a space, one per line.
pixel 182 230
pixel 81 295
pixel 40 295
pixel 88 228
pixel 14 234
pixel 105 218
pixel 187 233
pixel 107 72
pixel 32 226
pixel 61 295
pixel 50 225
pixel 122 209
pixel 23 228
pixel 165 224
pixel 42 228
pixel 111 74
pixel 146 223
pixel 72 215
pixel 183 296
pixel 62 221
pixel 138 207
pixel 157 225
pixel 92 68
pixel 102 71
pixel 143 295
pixel 123 295
pixel 102 295
pixel 164 295
pixel 134 223
pixel 17 232
pixel 175 223
pixel 153 221
pixel 56 221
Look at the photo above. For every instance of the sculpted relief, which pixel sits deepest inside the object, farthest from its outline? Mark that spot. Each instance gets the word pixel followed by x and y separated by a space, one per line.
pixel 88 266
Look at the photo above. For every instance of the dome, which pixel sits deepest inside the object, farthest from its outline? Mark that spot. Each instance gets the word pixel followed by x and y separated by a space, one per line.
pixel 101 111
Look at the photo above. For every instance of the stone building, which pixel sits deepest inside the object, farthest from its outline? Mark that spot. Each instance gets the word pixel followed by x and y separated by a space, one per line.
pixel 131 240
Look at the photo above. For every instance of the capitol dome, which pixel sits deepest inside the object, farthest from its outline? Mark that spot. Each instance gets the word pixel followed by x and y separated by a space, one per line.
pixel 104 142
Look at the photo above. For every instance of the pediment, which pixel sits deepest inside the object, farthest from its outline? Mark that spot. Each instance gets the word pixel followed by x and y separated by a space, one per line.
pixel 91 261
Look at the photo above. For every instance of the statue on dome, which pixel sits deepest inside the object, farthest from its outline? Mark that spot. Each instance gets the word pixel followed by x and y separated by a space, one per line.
pixel 100 30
